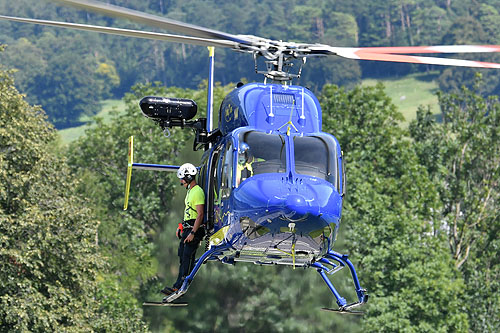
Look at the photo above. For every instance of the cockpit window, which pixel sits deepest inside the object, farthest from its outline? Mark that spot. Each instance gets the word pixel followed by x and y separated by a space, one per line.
pixel 260 153
pixel 316 156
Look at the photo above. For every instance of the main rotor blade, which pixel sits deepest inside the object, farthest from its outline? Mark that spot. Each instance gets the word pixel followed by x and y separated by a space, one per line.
pixel 432 49
pixel 153 20
pixel 424 60
pixel 128 32
pixel 361 54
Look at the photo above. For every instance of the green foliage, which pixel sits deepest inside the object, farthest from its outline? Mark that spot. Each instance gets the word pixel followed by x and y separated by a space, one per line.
pixel 24 56
pixel 461 155
pixel 100 158
pixel 388 208
pixel 62 74
pixel 65 71
pixel 49 259
pixel 473 27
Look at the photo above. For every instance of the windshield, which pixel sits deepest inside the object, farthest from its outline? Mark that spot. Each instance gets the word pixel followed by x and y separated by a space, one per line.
pixel 260 153
pixel 317 157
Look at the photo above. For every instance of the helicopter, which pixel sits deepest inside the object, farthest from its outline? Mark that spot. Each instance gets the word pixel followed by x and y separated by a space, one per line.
pixel 274 182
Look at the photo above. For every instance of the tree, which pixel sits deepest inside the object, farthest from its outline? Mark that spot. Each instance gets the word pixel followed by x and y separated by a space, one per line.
pixel 387 211
pixel 332 28
pixel 78 79
pixel 474 27
pixel 24 56
pixel 461 155
pixel 49 259
pixel 430 22
pixel 127 238
pixel 72 75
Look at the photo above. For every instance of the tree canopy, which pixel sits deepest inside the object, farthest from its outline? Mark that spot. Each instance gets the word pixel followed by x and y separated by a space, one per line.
pixel 68 72
pixel 420 220
pixel 51 267
pixel 461 154
pixel 390 200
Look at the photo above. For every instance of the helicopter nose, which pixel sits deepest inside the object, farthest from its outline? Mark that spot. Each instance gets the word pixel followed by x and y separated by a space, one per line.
pixel 267 193
pixel 298 204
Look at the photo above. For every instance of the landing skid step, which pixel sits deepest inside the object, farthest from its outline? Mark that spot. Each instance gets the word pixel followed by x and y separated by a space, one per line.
pixel 343 311
pixel 171 304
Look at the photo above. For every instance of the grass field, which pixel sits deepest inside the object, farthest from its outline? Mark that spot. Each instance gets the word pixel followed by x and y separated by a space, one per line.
pixel 410 92
pixel 73 133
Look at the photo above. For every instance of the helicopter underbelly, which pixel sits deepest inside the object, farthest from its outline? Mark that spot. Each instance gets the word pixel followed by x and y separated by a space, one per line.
pixel 279 249
pixel 280 239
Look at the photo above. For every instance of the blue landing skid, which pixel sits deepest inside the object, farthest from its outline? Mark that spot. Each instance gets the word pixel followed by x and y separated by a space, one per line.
pixel 325 266
pixel 211 254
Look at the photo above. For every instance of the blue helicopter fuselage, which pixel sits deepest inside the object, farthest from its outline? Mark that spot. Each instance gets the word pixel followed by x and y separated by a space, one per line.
pixel 273 180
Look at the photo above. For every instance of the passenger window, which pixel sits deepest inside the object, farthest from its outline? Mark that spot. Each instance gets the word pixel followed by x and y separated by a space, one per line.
pixel 213 192
pixel 202 178
pixel 218 178
pixel 227 171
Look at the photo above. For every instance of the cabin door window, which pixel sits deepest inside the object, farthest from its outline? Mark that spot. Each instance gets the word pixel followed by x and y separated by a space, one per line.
pixel 227 171
pixel 213 192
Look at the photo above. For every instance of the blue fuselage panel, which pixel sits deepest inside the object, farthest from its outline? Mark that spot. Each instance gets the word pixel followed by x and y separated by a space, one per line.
pixel 268 107
pixel 277 183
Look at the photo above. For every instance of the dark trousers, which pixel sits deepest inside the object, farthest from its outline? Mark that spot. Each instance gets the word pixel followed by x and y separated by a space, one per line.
pixel 187 253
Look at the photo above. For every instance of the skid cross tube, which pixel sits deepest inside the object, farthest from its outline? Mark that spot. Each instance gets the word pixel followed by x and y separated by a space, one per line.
pixel 341 302
pixel 343 261
pixel 362 297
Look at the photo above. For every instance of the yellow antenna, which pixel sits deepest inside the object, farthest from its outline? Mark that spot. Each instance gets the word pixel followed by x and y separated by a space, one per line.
pixel 129 169
pixel 289 123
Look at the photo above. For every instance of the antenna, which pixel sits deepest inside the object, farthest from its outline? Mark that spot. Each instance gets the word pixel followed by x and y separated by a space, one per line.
pixel 210 93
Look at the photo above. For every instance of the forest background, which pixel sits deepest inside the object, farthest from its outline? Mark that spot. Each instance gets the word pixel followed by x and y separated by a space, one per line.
pixel 420 219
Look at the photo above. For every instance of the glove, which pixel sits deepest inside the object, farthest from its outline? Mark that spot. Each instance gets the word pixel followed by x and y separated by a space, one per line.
pixel 178 233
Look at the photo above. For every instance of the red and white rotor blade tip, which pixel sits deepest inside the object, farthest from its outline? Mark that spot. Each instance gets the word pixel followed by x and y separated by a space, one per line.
pixel 423 60
pixel 431 49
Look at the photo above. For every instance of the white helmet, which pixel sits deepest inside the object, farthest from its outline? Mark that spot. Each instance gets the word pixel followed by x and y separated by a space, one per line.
pixel 187 171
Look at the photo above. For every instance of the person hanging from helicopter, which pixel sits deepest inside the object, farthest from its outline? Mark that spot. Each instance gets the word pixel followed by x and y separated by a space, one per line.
pixel 245 161
pixel 191 231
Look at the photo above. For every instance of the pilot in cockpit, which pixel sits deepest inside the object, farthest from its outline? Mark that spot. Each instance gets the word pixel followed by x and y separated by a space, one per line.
pixel 245 160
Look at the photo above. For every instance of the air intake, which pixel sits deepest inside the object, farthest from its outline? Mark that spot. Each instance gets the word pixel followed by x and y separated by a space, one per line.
pixel 287 99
